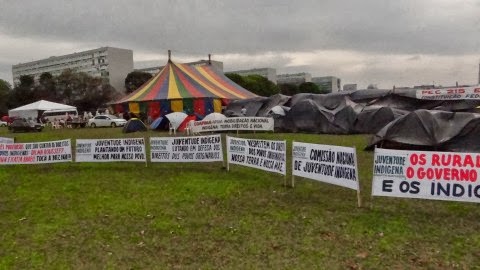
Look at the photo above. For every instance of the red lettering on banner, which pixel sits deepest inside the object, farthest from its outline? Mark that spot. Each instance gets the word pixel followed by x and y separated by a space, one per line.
pixel 443 174
pixel 435 160
pixel 468 161
pixel 427 92
pixel 457 161
pixel 410 172
pixel 417 159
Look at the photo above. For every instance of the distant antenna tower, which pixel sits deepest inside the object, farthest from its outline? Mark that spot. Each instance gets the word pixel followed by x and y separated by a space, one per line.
pixel 478 73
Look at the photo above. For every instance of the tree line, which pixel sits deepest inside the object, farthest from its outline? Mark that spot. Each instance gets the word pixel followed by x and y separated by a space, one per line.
pixel 78 89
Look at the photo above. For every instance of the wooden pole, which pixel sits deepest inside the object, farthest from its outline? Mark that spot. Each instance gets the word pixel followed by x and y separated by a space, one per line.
pixel 359 197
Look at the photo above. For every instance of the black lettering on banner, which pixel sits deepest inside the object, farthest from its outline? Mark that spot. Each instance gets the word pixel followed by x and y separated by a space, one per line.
pixel 297 165
pixel 387 185
pixel 410 187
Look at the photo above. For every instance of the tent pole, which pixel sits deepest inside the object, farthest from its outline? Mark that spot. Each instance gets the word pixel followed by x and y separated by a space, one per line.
pixel 359 197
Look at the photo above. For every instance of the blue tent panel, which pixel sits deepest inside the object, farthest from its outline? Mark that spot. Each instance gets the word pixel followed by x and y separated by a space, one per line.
pixel 134 125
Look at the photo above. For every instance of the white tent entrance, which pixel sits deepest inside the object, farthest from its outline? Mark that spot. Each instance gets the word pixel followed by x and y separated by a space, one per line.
pixel 34 110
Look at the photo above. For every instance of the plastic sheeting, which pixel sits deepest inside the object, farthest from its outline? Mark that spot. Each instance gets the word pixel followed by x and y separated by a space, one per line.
pixel 431 130
pixel 133 107
pixel 154 109
pixel 177 105
pixel 188 106
pixel 199 106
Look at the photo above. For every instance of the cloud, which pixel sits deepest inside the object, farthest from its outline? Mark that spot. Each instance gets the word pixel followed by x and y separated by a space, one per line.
pixel 372 40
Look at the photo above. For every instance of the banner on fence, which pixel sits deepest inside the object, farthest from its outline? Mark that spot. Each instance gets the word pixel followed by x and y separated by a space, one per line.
pixel 453 93
pixel 326 163
pixel 261 154
pixel 37 152
pixel 6 140
pixel 426 175
pixel 234 123
pixel 109 150
pixel 186 149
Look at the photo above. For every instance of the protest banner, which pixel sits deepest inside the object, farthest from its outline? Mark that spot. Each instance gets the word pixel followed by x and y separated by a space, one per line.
pixel 110 150
pixel 261 154
pixel 186 149
pixel 234 123
pixel 6 140
pixel 454 93
pixel 37 152
pixel 426 175
pixel 335 165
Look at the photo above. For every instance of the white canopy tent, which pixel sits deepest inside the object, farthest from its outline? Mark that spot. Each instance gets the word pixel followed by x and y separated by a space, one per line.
pixel 32 110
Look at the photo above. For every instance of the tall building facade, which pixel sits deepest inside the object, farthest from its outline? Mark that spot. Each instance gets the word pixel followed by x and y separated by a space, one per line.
pixel 296 79
pixel 111 64
pixel 329 83
pixel 269 73
pixel 154 70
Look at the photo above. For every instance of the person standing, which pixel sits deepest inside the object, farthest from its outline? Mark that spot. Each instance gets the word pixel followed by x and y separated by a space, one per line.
pixel 243 111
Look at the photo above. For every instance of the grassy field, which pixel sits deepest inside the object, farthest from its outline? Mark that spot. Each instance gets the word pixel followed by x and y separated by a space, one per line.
pixel 199 216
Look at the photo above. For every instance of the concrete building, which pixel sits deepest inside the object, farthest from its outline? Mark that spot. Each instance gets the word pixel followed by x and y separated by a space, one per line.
pixel 112 64
pixel 296 79
pixel 154 70
pixel 269 73
pixel 329 83
pixel 350 87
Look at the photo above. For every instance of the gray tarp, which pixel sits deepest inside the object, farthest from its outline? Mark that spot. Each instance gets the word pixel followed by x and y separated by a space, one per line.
pixel 346 112
pixel 431 130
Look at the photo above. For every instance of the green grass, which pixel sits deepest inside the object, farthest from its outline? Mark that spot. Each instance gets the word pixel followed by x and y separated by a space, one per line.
pixel 194 215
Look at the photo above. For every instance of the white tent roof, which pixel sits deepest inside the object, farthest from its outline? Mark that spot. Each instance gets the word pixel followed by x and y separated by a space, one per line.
pixel 43 105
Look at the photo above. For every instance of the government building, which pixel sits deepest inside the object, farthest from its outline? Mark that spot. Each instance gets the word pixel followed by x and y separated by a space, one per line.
pixel 111 64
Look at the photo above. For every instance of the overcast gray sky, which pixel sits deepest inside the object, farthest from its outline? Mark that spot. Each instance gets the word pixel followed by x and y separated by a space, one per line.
pixel 388 43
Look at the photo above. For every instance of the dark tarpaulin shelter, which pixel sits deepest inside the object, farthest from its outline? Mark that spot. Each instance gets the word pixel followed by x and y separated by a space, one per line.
pixel 373 118
pixel 431 130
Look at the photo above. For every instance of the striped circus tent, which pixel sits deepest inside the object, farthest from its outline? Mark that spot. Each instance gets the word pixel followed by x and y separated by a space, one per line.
pixel 195 90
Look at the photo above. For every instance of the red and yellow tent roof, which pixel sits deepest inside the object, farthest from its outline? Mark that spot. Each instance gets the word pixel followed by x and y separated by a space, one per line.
pixel 180 81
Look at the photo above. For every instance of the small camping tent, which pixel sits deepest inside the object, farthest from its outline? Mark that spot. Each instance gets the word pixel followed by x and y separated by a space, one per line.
pixel 134 125
pixel 34 110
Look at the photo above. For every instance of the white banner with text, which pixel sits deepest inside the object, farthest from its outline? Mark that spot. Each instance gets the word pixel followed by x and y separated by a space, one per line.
pixel 335 165
pixel 454 93
pixel 426 175
pixel 110 150
pixel 234 123
pixel 186 149
pixel 265 155
pixel 6 140
pixel 36 152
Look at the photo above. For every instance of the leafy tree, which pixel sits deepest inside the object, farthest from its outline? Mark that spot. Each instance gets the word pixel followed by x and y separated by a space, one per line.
pixel 23 93
pixel 236 78
pixel 372 86
pixel 308 87
pixel 46 88
pixel 288 89
pixel 84 91
pixel 135 79
pixel 323 89
pixel 5 91
pixel 260 85
pixel 255 83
